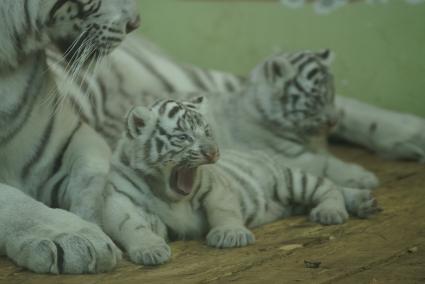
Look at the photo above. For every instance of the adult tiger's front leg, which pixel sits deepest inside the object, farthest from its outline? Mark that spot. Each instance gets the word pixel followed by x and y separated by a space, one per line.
pixel 47 240
pixel 44 151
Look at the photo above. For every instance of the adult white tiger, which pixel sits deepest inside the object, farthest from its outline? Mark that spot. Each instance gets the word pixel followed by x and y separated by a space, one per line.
pixel 138 74
pixel 160 188
pixel 47 154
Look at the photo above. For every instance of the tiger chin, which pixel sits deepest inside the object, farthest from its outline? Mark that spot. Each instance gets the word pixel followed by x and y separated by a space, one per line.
pixel 170 182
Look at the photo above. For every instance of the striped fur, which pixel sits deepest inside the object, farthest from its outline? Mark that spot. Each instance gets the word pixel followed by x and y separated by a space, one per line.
pixel 286 105
pixel 177 192
pixel 48 155
pixel 290 95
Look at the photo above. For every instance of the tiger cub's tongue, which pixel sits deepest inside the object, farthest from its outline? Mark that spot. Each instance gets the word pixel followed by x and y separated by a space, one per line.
pixel 186 179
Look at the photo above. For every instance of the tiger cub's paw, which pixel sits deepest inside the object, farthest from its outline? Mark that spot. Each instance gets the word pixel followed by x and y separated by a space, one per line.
pixel 361 203
pixel 230 237
pixel 355 176
pixel 329 213
pixel 150 252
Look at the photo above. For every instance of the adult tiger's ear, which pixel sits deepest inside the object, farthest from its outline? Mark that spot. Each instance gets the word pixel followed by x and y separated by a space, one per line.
pixel 199 103
pixel 326 56
pixel 138 118
pixel 275 70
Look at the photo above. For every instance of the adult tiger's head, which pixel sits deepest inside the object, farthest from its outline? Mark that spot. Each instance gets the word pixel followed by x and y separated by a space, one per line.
pixel 171 140
pixel 87 28
pixel 295 91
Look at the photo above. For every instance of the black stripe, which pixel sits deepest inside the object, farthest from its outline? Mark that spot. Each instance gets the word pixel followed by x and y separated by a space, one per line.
pixel 163 106
pixel 54 195
pixel 290 183
pixel 252 193
pixel 104 96
pixel 57 164
pixel 126 177
pixel 58 160
pixel 209 76
pixel 133 200
pixel 276 190
pixel 159 145
pixel 297 58
pixel 27 17
pixel 56 7
pixel 304 186
pixel 319 183
pixel 41 148
pixel 140 227
pixel 372 128
pixel 25 105
pixel 89 94
pixel 174 111
pixel 229 86
pixel 124 159
pixel 195 78
pixel 312 73
pixel 308 61
pixel 126 218
pixel 78 110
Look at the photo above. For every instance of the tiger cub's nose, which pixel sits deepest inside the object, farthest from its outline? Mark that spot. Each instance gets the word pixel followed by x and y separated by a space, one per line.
pixel 212 154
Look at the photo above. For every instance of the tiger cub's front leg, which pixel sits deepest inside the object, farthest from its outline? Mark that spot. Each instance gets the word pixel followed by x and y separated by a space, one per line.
pixel 132 228
pixel 227 229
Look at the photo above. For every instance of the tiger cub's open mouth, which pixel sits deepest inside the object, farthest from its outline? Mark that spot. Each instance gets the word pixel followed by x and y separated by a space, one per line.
pixel 182 180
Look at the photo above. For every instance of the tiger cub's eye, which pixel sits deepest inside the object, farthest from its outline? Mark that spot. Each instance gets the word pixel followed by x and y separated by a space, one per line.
pixel 184 137
pixel 208 132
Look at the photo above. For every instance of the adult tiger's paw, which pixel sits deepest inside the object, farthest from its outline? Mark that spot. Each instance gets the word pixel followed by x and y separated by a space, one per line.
pixel 230 237
pixel 72 247
pixel 154 251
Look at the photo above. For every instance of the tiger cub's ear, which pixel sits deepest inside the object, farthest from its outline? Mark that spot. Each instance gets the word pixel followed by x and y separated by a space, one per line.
pixel 275 70
pixel 326 56
pixel 199 104
pixel 138 118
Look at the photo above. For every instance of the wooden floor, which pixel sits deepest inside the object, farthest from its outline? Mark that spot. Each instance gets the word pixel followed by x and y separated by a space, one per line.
pixel 388 248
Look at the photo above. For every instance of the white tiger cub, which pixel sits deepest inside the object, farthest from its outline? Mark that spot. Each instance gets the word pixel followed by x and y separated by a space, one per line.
pixel 48 156
pixel 138 73
pixel 289 99
pixel 161 187
pixel 138 67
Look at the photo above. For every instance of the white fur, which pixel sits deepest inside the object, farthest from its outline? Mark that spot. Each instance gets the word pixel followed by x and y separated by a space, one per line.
pixel 242 190
pixel 46 155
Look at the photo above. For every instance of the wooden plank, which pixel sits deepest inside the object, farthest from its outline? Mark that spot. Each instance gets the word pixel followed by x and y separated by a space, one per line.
pixel 361 251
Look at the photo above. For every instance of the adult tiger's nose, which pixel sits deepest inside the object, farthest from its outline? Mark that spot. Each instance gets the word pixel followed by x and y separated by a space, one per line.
pixel 132 25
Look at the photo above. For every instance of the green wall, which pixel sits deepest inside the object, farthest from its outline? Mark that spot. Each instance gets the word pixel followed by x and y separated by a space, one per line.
pixel 380 48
